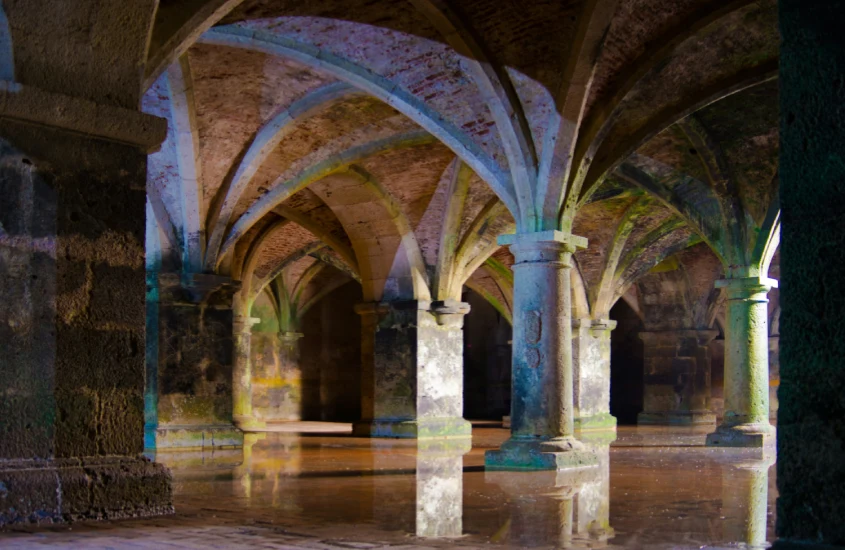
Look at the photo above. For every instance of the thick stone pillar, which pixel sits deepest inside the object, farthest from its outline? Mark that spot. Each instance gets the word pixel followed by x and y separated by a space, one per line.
pixel 72 206
pixel 542 411
pixel 591 374
pixel 243 415
pixel 746 420
pixel 412 370
pixel 192 365
pixel 811 415
pixel 277 379
pixel 677 377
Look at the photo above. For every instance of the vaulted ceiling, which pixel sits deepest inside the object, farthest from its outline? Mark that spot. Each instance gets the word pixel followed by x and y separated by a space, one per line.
pixel 391 142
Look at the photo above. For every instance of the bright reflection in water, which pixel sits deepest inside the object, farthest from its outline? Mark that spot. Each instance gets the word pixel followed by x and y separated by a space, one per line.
pixel 646 492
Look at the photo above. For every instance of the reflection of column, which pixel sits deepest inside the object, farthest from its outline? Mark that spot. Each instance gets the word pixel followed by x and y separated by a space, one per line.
pixel 592 505
pixel 745 489
pixel 193 363
pixel 277 378
pixel 242 476
pixel 677 377
pixel 746 420
pixel 542 413
pixel 542 506
pixel 440 475
pixel 242 373
pixel 591 374
pixel 412 370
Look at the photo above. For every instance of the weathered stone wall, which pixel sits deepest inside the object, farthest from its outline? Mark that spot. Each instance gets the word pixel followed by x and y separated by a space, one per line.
pixel 190 360
pixel 276 376
pixel 591 373
pixel 72 329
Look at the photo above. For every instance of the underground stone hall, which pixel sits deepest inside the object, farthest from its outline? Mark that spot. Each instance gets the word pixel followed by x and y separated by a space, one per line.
pixel 422 273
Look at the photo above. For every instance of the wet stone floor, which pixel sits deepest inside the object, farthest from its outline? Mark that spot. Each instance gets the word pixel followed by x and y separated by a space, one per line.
pixel 655 488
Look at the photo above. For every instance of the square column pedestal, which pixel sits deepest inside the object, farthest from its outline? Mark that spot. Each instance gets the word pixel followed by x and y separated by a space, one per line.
pixel 591 374
pixel 412 370
pixel 677 377
pixel 190 352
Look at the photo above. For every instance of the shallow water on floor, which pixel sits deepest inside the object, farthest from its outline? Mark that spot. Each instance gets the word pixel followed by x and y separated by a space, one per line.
pixel 654 488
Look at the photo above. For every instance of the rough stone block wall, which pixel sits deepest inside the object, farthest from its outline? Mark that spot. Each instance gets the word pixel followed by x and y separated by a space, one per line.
pixel 72 327
pixel 276 378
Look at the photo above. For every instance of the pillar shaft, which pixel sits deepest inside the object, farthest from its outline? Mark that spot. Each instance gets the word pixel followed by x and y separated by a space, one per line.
pixel 542 409
pixel 591 374
pixel 811 415
pixel 746 383
pixel 72 324
pixel 412 363
pixel 676 380
pixel 193 362
pixel 277 377
pixel 242 410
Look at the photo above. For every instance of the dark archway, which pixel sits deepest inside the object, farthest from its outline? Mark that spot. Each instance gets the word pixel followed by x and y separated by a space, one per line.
pixel 487 361
pixel 626 364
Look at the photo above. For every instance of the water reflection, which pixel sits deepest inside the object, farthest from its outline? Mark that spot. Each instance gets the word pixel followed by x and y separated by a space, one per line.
pixel 662 497
pixel 564 509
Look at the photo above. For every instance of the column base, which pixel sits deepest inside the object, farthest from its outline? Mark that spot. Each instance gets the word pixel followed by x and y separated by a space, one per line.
pixel 221 436
pixel 743 435
pixel 676 418
pixel 48 491
pixel 597 422
pixel 413 429
pixel 249 424
pixel 539 454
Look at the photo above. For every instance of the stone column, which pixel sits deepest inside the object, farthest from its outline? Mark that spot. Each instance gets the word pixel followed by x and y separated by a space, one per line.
pixel 277 381
pixel 591 374
pixel 193 363
pixel 542 411
pixel 810 434
pixel 677 377
pixel 242 412
pixel 412 370
pixel 72 207
pixel 746 420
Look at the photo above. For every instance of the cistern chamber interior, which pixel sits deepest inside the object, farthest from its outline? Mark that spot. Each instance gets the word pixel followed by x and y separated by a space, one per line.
pixel 429 273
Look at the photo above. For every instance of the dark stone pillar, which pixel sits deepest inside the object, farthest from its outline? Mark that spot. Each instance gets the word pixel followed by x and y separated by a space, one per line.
pixel 412 370
pixel 72 316
pixel 192 365
pixel 811 417
pixel 677 377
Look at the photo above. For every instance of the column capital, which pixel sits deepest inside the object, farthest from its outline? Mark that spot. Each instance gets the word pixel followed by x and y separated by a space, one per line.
pixel 543 237
pixel 32 105
pixel 745 287
pixel 242 324
pixel 596 326
pixel 290 337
